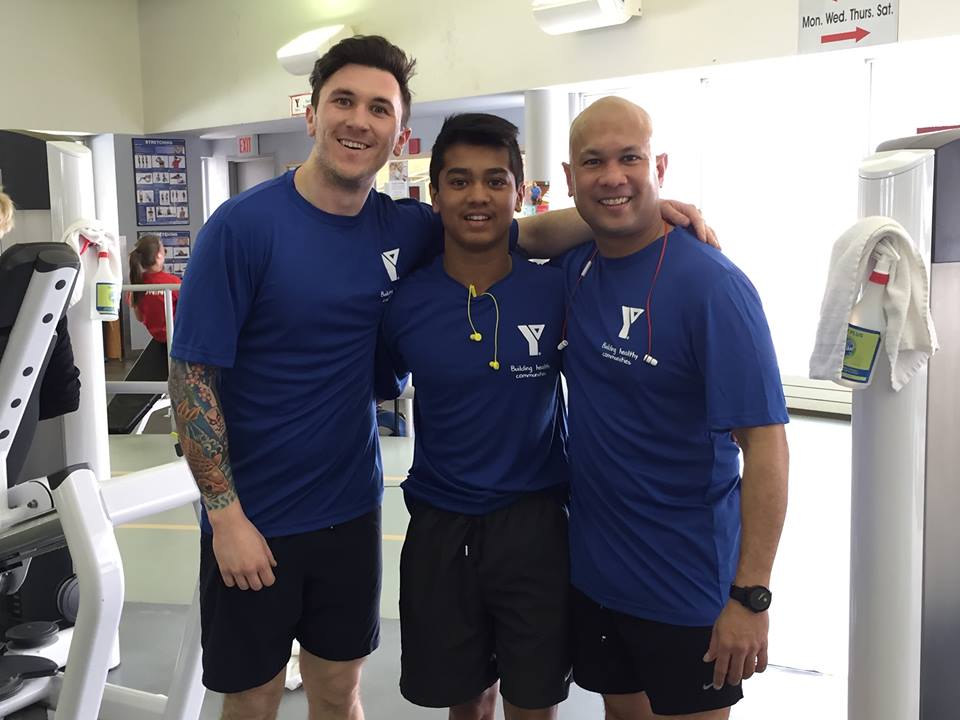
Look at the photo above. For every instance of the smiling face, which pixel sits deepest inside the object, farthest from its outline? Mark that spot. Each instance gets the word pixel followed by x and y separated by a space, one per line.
pixel 356 124
pixel 612 174
pixel 476 196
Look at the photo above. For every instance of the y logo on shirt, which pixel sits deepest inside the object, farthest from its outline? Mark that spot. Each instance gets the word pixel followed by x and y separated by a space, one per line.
pixel 532 334
pixel 390 262
pixel 630 315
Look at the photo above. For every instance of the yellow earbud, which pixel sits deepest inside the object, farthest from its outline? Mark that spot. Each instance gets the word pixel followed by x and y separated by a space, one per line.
pixel 473 291
pixel 495 364
pixel 476 337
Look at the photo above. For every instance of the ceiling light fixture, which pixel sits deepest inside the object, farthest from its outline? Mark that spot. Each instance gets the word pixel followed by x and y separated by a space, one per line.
pixel 299 55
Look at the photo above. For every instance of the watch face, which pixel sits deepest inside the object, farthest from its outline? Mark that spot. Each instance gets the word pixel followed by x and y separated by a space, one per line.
pixel 759 598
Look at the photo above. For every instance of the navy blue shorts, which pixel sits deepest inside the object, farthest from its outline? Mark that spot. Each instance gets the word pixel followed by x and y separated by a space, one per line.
pixel 618 654
pixel 484 598
pixel 326 596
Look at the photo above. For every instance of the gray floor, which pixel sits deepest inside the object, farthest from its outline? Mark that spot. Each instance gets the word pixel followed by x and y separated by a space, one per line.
pixel 149 639
pixel 150 635
pixel 118 369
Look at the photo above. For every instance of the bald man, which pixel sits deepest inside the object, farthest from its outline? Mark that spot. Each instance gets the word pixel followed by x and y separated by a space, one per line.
pixel 668 357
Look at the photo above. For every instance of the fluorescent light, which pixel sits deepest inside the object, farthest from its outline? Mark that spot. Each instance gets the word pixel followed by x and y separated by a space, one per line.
pixel 65 133
pixel 299 55
pixel 558 17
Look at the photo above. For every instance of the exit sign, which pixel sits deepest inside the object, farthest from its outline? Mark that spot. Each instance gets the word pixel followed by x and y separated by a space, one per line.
pixel 247 145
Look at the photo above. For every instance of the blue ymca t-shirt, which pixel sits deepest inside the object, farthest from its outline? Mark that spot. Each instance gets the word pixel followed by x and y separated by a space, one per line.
pixel 484 437
pixel 655 488
pixel 287 300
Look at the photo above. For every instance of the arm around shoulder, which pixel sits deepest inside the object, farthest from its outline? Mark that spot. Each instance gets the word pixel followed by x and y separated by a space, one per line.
pixel 550 234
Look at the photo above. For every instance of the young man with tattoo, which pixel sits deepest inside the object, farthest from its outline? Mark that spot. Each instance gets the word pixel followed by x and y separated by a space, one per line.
pixel 272 381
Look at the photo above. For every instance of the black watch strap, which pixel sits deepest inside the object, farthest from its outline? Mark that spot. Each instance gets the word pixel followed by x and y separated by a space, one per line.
pixel 755 598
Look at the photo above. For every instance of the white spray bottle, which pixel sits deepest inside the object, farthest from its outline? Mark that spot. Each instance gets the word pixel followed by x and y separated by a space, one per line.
pixel 106 290
pixel 866 326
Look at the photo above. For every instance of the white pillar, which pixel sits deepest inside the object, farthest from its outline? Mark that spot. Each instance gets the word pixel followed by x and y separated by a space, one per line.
pixel 85 434
pixel 889 467
pixel 547 117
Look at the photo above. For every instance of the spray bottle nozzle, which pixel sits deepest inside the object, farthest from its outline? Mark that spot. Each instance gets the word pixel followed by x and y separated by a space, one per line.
pixel 884 256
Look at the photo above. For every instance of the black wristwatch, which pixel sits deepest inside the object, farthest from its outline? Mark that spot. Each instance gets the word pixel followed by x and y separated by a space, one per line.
pixel 755 598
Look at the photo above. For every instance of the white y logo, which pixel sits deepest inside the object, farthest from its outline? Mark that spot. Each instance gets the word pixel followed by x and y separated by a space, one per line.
pixel 532 334
pixel 390 262
pixel 630 316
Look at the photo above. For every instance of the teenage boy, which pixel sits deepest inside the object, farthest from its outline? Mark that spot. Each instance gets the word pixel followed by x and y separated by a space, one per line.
pixel 484 582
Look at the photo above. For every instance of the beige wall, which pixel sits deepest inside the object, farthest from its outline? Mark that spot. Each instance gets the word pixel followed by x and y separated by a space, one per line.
pixel 212 63
pixel 70 65
pixel 465 48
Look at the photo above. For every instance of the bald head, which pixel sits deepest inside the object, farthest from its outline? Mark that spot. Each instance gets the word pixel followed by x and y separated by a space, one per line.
pixel 614 177
pixel 607 115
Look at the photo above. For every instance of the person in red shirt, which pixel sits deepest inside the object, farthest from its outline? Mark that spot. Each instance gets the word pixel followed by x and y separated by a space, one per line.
pixel 146 268
pixel 125 411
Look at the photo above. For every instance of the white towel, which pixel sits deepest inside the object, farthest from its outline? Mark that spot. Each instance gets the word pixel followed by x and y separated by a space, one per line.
pixel 909 337
pixel 83 234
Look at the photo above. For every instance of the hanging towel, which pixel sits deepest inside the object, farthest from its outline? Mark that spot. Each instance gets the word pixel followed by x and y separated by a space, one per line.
pixel 909 337
pixel 92 236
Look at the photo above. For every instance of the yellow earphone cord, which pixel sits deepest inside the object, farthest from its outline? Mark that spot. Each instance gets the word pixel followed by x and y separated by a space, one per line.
pixel 476 336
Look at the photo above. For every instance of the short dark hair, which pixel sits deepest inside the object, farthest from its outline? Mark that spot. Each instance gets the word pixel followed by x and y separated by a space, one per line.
pixel 476 129
pixel 371 51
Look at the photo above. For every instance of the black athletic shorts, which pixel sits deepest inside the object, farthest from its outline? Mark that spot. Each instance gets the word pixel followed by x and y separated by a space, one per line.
pixel 326 595
pixel 486 597
pixel 615 654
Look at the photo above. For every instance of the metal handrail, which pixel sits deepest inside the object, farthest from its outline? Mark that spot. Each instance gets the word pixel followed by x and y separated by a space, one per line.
pixel 167 289
pixel 148 286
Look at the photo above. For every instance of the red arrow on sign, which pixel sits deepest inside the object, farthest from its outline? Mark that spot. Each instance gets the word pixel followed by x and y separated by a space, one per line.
pixel 858 35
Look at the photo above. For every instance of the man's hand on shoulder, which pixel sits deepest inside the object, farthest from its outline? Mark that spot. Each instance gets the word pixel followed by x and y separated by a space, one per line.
pixel 683 214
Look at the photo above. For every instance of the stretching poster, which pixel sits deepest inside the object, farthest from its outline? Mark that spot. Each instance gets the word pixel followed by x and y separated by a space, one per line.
pixel 160 179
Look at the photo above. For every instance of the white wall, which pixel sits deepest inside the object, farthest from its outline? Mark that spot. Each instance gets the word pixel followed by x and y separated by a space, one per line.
pixel 30 226
pixel 71 65
pixel 770 150
pixel 213 63
pixel 810 618
pixel 105 180
pixel 463 49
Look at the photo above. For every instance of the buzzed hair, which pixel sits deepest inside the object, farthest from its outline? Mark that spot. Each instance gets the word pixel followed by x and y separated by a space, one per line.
pixel 608 103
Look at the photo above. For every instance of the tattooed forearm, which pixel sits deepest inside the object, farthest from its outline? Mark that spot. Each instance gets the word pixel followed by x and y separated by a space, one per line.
pixel 202 430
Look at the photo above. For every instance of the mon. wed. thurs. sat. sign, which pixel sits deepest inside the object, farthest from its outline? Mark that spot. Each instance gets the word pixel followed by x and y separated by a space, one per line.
pixel 840 24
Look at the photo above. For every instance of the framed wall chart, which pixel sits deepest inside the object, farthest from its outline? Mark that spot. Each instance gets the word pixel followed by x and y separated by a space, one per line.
pixel 160 179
